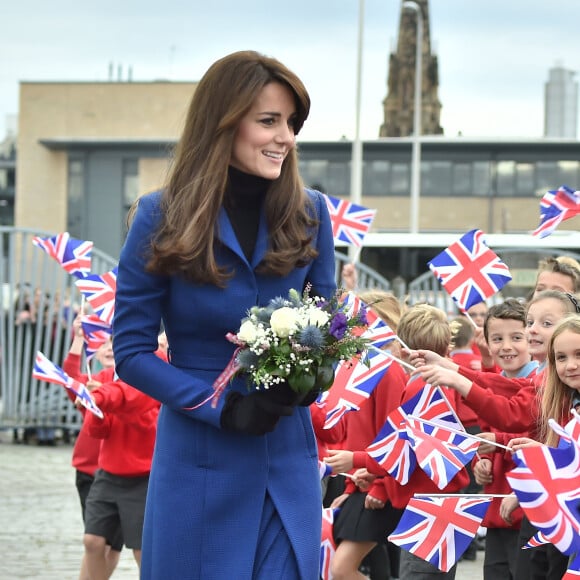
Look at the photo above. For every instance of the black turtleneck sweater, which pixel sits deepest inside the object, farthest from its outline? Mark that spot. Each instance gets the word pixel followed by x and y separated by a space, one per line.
pixel 243 201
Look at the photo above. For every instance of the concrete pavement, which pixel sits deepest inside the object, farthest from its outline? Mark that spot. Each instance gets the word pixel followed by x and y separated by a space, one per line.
pixel 40 517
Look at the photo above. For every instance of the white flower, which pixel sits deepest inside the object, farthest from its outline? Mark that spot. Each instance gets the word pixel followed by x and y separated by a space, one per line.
pixel 247 332
pixel 283 321
pixel 318 317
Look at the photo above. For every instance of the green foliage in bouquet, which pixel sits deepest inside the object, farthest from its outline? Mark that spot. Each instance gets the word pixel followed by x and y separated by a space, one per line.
pixel 298 339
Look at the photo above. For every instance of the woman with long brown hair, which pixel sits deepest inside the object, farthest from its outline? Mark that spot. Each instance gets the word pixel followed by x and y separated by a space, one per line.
pixel 234 489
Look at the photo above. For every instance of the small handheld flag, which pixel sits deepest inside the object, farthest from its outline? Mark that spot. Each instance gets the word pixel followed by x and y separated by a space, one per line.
pixel 100 293
pixel 72 254
pixel 350 222
pixel 45 370
pixel 469 271
pixel 556 206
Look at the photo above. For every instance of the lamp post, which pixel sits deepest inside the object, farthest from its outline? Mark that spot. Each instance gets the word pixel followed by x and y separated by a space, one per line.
pixel 416 154
pixel 356 157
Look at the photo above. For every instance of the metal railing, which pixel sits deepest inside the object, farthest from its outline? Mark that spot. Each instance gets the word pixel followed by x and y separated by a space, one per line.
pixel 39 301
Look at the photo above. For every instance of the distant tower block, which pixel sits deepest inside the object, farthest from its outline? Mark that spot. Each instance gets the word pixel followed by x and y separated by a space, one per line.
pixel 561 104
pixel 398 104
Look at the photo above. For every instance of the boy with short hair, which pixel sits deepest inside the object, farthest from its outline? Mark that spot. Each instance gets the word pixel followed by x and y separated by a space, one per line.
pixel 504 332
pixel 422 326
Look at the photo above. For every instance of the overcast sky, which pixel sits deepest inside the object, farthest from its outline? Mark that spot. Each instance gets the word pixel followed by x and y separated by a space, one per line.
pixel 494 55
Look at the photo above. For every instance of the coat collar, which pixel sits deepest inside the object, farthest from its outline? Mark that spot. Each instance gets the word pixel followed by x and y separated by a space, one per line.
pixel 227 236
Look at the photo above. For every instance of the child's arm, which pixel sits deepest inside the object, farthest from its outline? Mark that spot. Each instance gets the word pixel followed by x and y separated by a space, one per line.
pixel 437 375
pixel 340 460
pixel 421 357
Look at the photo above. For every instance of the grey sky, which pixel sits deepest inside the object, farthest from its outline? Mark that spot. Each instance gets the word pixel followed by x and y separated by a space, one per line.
pixel 494 55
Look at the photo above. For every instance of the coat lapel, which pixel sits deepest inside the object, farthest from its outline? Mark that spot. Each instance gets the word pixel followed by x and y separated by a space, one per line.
pixel 261 241
pixel 227 236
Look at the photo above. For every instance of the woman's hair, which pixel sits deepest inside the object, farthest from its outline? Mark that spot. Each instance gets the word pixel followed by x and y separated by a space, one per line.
pixel 424 326
pixel 462 332
pixel 569 302
pixel 561 265
pixel 385 304
pixel 191 201
pixel 557 396
pixel 509 309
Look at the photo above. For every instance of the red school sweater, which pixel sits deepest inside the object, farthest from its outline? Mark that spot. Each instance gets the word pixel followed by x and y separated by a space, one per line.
pixel 127 431
pixel 85 455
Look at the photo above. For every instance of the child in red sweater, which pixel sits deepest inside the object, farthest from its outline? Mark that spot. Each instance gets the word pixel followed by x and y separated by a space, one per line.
pixel 422 326
pixel 85 456
pixel 366 517
pixel 127 437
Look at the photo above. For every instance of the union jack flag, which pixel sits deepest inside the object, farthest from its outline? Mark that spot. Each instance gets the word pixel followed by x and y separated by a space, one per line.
pixel 72 254
pixel 378 332
pixel 350 222
pixel 100 293
pixel 353 384
pixel 45 370
pixel 327 543
pixel 469 271
pixel 545 481
pixel 556 206
pixel 441 452
pixel 536 540
pixel 391 447
pixel 352 304
pixel 439 529
pixel 96 333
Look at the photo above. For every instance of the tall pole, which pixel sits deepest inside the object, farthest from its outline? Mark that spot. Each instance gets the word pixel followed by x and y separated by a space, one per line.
pixel 416 154
pixel 356 159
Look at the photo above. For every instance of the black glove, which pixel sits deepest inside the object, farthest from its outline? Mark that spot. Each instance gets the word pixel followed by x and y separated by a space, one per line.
pixel 310 397
pixel 254 414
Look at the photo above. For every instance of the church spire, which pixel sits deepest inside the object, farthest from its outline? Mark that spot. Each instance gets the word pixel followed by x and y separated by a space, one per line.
pixel 398 104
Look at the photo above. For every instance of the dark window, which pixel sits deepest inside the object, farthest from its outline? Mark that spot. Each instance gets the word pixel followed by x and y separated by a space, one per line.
pixel 376 177
pixel 76 197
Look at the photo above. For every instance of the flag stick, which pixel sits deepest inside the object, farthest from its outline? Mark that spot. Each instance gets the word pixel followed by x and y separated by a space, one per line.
pixel 89 370
pixel 472 495
pixel 391 355
pixel 470 319
pixel 347 475
pixel 465 433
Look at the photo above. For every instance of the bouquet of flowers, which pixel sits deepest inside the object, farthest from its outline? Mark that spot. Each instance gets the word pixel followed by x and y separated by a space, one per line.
pixel 298 339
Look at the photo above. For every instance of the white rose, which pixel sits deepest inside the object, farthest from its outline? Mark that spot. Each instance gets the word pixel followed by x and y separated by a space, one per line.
pixel 247 332
pixel 283 321
pixel 318 317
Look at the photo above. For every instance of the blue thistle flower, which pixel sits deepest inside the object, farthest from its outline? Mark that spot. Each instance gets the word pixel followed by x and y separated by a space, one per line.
pixel 247 358
pixel 277 302
pixel 264 314
pixel 311 336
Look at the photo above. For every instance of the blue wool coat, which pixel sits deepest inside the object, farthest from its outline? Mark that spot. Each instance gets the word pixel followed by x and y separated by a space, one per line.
pixel 207 485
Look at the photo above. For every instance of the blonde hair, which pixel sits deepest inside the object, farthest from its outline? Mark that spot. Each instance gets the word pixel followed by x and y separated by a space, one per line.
pixel 385 304
pixel 462 332
pixel 557 396
pixel 564 265
pixel 425 327
pixel 569 302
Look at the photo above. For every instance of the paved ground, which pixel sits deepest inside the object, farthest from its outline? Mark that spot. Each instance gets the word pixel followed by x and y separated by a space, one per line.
pixel 40 518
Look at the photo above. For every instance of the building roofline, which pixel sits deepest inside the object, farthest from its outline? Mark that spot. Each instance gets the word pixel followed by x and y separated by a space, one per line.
pixel 69 143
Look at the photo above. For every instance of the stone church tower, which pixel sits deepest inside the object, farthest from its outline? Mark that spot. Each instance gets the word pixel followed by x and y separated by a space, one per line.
pixel 398 104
